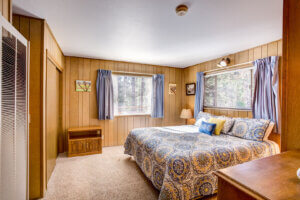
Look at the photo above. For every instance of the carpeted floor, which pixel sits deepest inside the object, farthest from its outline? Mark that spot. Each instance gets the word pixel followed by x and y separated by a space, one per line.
pixel 108 176
pixel 111 175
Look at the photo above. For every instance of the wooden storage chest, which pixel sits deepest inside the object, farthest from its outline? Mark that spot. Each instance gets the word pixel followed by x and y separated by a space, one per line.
pixel 84 141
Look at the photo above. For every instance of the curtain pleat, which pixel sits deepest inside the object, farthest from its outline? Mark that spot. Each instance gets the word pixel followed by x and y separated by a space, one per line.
pixel 105 95
pixel 199 99
pixel 158 96
pixel 265 104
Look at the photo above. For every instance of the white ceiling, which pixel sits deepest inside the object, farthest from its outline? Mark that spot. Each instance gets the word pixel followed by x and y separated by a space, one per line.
pixel 150 32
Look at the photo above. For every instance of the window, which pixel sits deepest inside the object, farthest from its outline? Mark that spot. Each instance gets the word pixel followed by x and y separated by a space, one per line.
pixel 132 94
pixel 229 90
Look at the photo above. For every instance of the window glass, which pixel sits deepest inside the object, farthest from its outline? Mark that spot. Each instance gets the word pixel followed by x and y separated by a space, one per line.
pixel 229 90
pixel 132 94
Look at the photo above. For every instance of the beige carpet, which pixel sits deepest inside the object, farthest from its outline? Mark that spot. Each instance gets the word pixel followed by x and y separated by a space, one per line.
pixel 108 176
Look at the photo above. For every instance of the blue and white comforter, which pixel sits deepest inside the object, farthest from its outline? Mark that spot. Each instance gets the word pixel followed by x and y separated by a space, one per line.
pixel 180 161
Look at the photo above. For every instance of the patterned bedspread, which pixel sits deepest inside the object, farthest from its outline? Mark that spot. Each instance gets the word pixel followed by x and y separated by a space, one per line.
pixel 180 161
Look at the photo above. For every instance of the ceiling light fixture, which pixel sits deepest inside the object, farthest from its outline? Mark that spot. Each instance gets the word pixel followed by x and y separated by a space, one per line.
pixel 181 10
pixel 224 62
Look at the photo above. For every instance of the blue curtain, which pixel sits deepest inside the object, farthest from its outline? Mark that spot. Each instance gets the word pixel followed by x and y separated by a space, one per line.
pixel 158 96
pixel 105 95
pixel 265 104
pixel 199 94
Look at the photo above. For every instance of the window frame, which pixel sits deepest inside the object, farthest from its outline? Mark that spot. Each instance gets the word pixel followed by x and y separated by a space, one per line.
pixel 132 74
pixel 231 71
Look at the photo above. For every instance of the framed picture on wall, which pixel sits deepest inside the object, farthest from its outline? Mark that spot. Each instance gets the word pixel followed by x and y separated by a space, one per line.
pixel 190 88
pixel 83 86
pixel 172 89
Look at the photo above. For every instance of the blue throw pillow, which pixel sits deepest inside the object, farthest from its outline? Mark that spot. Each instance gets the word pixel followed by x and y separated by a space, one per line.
pixel 207 128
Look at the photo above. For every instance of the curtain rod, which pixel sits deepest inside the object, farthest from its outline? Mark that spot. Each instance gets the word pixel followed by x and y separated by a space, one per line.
pixel 229 67
pixel 229 71
pixel 139 73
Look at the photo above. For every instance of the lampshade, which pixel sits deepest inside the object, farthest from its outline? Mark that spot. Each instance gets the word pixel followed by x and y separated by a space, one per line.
pixel 186 114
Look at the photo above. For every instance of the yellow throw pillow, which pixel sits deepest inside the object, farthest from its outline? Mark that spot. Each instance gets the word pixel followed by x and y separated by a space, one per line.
pixel 220 123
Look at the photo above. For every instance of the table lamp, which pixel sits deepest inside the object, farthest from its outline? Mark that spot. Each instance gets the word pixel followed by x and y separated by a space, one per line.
pixel 186 114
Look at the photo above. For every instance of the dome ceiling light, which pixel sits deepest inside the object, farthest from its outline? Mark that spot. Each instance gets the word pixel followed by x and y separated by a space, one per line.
pixel 181 10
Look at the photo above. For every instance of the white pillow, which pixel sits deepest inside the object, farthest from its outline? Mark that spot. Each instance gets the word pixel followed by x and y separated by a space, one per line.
pixel 204 115
pixel 199 121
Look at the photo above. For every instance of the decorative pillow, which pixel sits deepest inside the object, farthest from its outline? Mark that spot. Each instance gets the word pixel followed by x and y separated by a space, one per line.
pixel 227 125
pixel 207 128
pixel 250 129
pixel 204 115
pixel 219 124
pixel 199 121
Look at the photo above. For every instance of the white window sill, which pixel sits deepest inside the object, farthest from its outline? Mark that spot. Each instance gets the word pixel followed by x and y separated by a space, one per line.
pixel 224 108
pixel 132 115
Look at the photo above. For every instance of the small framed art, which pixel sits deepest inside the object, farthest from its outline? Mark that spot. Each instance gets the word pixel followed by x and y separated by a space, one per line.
pixel 172 89
pixel 83 86
pixel 190 88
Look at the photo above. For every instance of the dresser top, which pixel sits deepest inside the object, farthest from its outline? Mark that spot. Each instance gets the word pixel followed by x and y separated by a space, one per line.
pixel 274 177
pixel 81 129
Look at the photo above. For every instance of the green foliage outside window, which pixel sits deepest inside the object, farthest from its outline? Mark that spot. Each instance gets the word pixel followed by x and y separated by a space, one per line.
pixel 132 94
pixel 229 90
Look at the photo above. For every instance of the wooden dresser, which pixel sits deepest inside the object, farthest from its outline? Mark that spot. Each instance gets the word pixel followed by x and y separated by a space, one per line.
pixel 84 141
pixel 267 178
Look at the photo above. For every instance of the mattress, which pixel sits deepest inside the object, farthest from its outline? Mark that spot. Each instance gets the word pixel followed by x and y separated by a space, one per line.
pixel 180 161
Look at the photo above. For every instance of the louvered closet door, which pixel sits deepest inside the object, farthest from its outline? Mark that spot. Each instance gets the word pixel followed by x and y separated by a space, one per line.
pixel 21 122
pixel 8 122
pixel 13 106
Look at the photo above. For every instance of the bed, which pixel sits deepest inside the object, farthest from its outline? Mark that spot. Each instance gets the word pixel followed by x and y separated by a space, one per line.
pixel 180 161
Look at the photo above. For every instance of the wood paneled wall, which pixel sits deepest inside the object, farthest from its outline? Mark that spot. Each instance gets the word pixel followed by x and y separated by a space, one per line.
pixel 270 49
pixel 6 9
pixel 80 108
pixel 291 76
pixel 52 46
pixel 41 41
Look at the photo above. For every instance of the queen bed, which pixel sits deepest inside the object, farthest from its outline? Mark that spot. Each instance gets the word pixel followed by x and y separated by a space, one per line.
pixel 180 161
